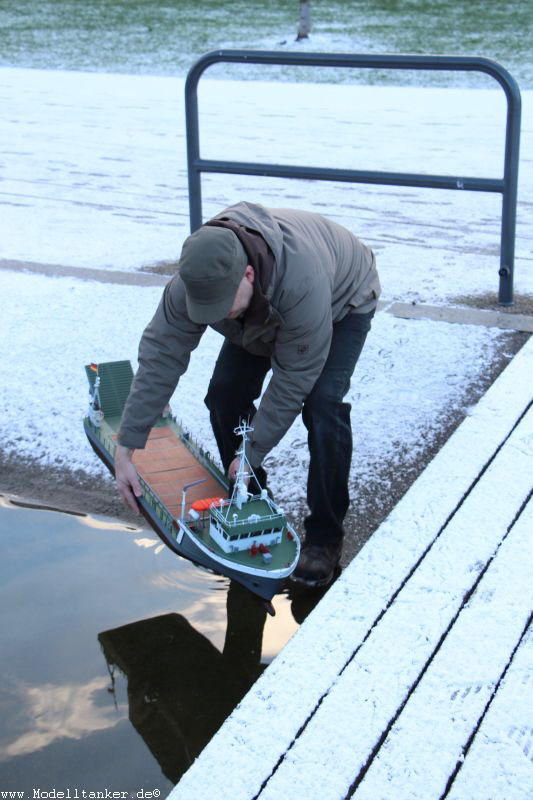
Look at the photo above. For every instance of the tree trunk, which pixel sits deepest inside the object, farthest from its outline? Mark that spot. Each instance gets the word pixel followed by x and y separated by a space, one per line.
pixel 304 26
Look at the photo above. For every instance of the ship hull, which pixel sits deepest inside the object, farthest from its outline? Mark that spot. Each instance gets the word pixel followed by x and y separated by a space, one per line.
pixel 181 541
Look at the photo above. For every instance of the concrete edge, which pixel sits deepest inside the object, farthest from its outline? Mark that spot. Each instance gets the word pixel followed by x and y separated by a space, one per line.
pixel 87 273
pixel 461 315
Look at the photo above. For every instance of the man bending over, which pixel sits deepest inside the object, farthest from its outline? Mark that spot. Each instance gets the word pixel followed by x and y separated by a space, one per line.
pixel 291 292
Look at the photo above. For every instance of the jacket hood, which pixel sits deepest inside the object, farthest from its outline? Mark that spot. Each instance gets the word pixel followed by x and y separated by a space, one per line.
pixel 258 218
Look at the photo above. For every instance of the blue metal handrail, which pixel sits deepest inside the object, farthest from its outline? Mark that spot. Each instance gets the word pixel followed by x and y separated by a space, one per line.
pixel 506 186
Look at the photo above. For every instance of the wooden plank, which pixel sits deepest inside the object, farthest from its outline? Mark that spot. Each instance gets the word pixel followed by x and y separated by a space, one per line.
pixel 268 719
pixel 167 466
pixel 362 703
pixel 430 736
pixel 502 751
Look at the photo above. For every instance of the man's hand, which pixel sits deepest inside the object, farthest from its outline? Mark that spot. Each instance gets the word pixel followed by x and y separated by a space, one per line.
pixel 233 469
pixel 126 477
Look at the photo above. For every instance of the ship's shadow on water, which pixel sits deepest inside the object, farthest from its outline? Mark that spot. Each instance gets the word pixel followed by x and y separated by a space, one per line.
pixel 180 687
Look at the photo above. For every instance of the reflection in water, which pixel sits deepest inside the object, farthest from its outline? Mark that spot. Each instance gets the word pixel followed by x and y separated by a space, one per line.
pixel 58 712
pixel 196 651
pixel 303 600
pixel 180 686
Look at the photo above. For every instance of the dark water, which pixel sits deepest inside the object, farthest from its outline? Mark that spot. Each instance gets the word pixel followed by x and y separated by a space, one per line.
pixel 119 659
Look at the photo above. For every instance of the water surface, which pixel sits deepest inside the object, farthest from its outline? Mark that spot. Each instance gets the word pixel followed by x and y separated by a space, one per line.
pixel 119 659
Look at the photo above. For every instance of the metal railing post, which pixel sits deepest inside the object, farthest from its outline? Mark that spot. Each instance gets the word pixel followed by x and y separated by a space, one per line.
pixel 506 186
pixel 193 148
pixel 509 198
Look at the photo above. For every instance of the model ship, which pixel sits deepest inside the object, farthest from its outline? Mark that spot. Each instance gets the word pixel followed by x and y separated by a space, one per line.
pixel 245 536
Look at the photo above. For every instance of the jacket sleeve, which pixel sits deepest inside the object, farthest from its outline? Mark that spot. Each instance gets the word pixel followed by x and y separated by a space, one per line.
pixel 302 347
pixel 164 352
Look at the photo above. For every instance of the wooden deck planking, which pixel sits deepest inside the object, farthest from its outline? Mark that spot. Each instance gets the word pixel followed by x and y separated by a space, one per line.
pixel 167 466
pixel 428 740
pixel 282 702
pixel 502 750
pixel 365 699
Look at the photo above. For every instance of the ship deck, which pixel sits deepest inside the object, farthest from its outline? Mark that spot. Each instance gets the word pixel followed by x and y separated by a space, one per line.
pixel 167 465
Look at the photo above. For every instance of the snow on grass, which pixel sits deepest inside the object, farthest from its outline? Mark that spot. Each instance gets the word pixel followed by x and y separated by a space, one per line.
pixel 53 326
pixel 98 163
pixel 94 175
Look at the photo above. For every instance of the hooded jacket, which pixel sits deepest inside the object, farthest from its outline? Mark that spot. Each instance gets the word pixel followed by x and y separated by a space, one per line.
pixel 321 273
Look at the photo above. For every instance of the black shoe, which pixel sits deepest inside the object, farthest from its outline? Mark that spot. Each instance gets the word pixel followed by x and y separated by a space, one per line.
pixel 317 564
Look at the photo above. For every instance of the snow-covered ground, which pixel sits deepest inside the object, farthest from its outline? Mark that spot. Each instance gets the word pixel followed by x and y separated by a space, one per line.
pixel 94 174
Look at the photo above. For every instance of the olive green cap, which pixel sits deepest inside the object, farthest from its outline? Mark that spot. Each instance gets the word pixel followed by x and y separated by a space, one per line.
pixel 212 265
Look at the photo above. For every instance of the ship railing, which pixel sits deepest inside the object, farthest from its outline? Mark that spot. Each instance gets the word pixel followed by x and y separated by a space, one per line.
pixel 202 455
pixel 241 522
pixel 149 495
pixel 155 503
pixel 109 444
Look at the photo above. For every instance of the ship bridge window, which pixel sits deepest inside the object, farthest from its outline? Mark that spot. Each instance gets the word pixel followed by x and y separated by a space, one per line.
pixel 221 530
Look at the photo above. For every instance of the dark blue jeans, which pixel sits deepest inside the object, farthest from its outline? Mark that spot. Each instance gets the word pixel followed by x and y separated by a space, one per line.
pixel 236 383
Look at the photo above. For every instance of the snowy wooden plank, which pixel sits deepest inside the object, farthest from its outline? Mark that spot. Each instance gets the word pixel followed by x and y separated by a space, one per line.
pixel 267 721
pixel 501 755
pixel 364 700
pixel 428 739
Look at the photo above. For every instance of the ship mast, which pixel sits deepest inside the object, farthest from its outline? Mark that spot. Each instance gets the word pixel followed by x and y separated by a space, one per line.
pixel 244 472
pixel 96 414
